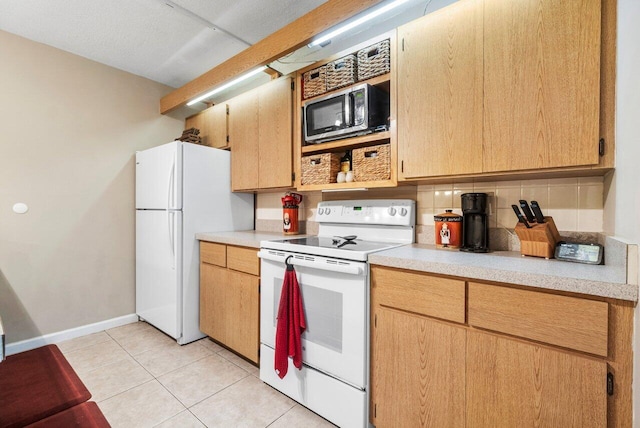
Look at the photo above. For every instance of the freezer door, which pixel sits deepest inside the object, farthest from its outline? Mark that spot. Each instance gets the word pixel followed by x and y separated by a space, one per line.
pixel 159 269
pixel 159 177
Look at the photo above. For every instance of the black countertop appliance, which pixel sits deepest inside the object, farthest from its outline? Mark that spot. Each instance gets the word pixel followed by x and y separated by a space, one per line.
pixel 475 223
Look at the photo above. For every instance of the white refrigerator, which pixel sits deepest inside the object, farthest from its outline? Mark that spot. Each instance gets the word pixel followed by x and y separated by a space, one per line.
pixel 181 189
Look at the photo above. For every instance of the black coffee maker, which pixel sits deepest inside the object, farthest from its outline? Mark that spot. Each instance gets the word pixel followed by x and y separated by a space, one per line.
pixel 475 223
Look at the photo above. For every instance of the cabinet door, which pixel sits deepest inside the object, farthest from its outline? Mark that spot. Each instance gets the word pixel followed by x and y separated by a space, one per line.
pixel 242 314
pixel 243 139
pixel 542 84
pixel 417 371
pixel 440 92
pixel 217 126
pixel 195 121
pixel 214 281
pixel 518 384
pixel 275 120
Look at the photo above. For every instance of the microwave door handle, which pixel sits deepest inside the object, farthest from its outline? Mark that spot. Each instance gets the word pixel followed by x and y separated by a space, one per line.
pixel 348 109
pixel 355 121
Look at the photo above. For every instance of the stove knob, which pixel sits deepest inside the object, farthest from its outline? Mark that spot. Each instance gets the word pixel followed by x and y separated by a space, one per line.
pixel 391 211
pixel 328 211
pixel 320 211
pixel 403 212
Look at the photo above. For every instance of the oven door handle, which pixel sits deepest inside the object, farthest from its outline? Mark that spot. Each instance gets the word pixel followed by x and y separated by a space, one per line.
pixel 351 270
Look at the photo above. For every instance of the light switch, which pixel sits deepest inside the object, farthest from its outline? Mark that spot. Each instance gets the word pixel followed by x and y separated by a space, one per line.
pixel 20 208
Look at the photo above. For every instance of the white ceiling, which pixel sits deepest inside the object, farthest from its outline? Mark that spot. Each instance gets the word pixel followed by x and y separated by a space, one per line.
pixel 175 41
pixel 171 41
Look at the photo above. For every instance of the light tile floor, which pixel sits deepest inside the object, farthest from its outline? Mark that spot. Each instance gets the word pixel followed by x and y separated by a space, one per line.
pixel 142 378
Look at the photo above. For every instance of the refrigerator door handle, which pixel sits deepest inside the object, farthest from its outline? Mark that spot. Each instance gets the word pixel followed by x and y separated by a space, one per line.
pixel 170 189
pixel 172 239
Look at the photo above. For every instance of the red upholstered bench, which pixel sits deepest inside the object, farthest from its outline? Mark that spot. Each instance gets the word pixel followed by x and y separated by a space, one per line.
pixel 85 415
pixel 38 384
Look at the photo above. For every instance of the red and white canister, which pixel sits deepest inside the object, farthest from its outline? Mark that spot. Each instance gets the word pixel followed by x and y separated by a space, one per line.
pixel 290 203
pixel 448 230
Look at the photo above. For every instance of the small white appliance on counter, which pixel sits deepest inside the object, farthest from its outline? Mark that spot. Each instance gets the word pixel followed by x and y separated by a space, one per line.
pixel 333 274
pixel 181 189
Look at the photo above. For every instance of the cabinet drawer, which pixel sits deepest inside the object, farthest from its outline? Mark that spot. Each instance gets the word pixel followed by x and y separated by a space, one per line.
pixel 212 253
pixel 569 322
pixel 420 293
pixel 243 259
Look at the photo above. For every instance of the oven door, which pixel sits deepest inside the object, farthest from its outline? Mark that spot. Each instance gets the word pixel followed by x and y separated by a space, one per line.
pixel 336 302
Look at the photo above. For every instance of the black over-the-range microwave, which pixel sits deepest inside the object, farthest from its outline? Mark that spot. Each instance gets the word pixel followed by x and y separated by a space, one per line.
pixel 359 110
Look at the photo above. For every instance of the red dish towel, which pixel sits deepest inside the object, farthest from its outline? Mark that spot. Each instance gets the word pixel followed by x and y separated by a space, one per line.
pixel 291 324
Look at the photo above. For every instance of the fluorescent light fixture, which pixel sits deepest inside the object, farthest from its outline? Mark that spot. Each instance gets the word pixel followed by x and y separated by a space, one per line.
pixel 369 16
pixel 227 85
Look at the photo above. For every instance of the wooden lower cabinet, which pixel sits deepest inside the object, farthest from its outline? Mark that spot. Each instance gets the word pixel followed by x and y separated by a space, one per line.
pixel 241 311
pixel 492 368
pixel 213 286
pixel 229 298
pixel 418 372
pixel 511 383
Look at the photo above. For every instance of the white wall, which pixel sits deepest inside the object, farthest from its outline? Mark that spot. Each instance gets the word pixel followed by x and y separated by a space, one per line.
pixel 69 128
pixel 622 205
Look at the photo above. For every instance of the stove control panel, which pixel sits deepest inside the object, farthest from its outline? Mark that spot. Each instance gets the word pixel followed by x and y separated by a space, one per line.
pixel 391 212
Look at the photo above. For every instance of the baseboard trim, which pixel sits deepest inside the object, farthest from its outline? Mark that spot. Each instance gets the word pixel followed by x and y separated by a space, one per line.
pixel 72 333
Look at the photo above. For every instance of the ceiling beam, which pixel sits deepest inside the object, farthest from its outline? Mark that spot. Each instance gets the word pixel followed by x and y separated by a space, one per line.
pixel 284 41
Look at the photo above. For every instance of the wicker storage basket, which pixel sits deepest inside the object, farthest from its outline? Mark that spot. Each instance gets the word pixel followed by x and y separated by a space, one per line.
pixel 314 82
pixel 341 72
pixel 320 169
pixel 372 163
pixel 374 60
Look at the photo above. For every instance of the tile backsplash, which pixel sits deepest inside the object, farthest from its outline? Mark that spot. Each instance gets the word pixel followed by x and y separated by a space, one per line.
pixel 576 204
pixel 269 212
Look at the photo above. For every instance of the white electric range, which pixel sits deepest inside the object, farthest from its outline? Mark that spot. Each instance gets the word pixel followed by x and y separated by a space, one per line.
pixel 333 274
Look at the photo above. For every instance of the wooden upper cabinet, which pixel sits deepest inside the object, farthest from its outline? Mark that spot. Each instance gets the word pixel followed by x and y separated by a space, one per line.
pixel 212 124
pixel 243 139
pixel 541 84
pixel 195 121
pixel 440 77
pixel 275 141
pixel 260 131
pixel 216 126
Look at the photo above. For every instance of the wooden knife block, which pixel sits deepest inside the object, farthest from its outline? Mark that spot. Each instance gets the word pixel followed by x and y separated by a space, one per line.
pixel 540 240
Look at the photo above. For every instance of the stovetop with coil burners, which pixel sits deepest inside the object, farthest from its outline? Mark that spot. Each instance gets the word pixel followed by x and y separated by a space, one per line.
pixel 353 229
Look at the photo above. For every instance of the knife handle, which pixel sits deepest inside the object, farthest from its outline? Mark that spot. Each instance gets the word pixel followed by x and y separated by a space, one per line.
pixel 526 210
pixel 521 218
pixel 537 211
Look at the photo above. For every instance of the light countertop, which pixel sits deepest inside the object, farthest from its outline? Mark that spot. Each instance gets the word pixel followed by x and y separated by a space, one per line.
pixel 243 238
pixel 511 268
pixel 609 280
